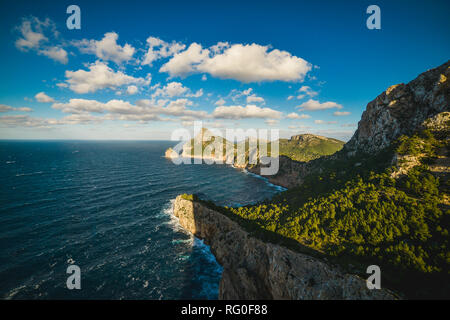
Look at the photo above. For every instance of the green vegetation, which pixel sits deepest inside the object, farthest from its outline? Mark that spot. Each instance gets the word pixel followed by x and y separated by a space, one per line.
pixel 420 143
pixel 308 150
pixel 190 197
pixel 300 148
pixel 356 214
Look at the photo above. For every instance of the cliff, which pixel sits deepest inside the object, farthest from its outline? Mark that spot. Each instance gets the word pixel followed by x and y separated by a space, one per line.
pixel 253 269
pixel 400 110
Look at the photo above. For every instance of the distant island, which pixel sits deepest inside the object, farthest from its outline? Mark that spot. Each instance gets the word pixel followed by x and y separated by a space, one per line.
pixel 302 147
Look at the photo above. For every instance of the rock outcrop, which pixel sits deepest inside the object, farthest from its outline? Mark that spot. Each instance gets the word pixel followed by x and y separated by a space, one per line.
pixel 290 173
pixel 307 137
pixel 170 153
pixel 253 269
pixel 402 109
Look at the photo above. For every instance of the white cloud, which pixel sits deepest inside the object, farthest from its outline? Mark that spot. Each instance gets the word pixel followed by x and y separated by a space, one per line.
pixel 314 105
pixel 176 89
pixel 324 122
pixel 171 89
pixel 23 109
pixel 42 97
pixel 33 37
pixel 249 111
pixel 308 91
pixel 55 53
pixel 81 110
pixel 254 63
pixel 164 50
pixel 176 108
pixel 23 121
pixel 83 105
pixel 220 102
pixel 247 92
pixel 197 94
pixel 107 48
pixel 341 113
pixel 132 90
pixel 99 76
pixel 271 122
pixel 254 98
pixel 5 108
pixel 32 32
pixel 27 121
pixel 294 115
pixel 246 63
pixel 143 110
pixel 185 62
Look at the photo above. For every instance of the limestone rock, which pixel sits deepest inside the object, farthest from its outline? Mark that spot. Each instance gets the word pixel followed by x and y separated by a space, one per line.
pixel 401 109
pixel 170 153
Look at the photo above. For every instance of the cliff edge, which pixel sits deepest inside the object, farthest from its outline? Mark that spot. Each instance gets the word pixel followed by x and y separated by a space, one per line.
pixel 253 269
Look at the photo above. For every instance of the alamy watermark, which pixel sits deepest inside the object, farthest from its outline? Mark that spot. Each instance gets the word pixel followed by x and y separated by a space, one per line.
pixel 74 280
pixel 74 20
pixel 374 20
pixel 374 280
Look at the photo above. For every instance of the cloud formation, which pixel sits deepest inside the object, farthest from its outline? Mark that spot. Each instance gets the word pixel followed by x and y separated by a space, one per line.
pixel 5 108
pixel 245 63
pixel 254 98
pixel 107 48
pixel 324 122
pixel 341 113
pixel 99 76
pixel 249 111
pixel 313 105
pixel 42 97
pixel 55 53
pixel 132 90
pixel 158 49
pixel 171 89
pixel 143 110
pixel 294 115
pixel 32 37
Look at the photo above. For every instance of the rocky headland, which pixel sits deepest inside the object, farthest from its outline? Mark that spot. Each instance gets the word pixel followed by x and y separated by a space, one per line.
pixel 253 269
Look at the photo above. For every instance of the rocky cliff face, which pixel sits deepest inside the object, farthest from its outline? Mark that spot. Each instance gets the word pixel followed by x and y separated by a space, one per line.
pixel 402 109
pixel 253 269
pixel 290 173
pixel 307 138
pixel 170 153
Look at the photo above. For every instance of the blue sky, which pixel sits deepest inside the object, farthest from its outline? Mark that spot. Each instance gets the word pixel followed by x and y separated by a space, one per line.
pixel 140 69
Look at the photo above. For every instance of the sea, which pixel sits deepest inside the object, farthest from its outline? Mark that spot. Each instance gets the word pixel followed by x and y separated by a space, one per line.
pixel 106 207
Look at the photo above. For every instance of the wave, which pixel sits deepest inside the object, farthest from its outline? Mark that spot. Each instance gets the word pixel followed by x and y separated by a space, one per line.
pixel 266 180
pixel 210 288
pixel 29 174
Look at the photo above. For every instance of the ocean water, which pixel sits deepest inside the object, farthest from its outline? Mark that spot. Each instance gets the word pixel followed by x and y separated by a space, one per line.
pixel 107 207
